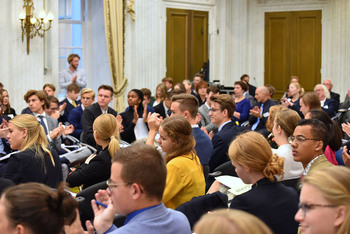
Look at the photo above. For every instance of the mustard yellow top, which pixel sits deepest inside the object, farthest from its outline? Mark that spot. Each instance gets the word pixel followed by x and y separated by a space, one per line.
pixel 184 181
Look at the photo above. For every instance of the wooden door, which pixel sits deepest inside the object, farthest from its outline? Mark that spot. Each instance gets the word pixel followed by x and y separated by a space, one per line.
pixel 292 47
pixel 186 43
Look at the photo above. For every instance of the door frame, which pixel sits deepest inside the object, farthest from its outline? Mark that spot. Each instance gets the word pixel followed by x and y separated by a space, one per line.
pixel 211 9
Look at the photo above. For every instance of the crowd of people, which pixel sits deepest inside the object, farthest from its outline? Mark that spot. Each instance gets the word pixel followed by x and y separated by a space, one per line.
pixel 161 180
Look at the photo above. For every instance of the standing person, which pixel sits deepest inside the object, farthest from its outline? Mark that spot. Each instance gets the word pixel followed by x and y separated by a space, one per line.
pixel 98 168
pixel 324 206
pixel 34 162
pixel 36 208
pixel 7 112
pixel 242 104
pixel 104 97
pixel 269 200
pixel 72 74
pixel 75 116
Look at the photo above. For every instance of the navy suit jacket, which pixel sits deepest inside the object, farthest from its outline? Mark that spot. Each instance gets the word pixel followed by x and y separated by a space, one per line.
pixel 68 109
pixel 89 115
pixel 329 106
pixel 204 147
pixel 265 115
pixel 221 141
pixel 336 98
pixel 273 203
pixel 160 110
pixel 75 118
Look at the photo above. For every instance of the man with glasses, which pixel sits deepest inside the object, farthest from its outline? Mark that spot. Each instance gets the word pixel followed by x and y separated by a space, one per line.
pixel 221 112
pixel 309 141
pixel 135 189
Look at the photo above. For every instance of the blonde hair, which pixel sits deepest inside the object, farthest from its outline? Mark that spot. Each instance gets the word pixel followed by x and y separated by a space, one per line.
pixel 298 86
pixel 334 185
pixel 180 131
pixel 107 129
pixel 87 90
pixel 164 92
pixel 230 221
pixel 288 120
pixel 251 149
pixel 35 138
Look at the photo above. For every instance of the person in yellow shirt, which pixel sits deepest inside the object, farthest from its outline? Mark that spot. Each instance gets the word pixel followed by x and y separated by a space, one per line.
pixel 185 178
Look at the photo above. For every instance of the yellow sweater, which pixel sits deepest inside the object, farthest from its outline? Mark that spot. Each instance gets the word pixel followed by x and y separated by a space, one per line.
pixel 184 181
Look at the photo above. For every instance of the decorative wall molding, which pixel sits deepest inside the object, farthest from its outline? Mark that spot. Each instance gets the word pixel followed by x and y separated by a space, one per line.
pixel 291 2
pixel 202 2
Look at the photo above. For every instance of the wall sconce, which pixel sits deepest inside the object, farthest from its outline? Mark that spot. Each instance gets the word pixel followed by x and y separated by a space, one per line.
pixel 31 25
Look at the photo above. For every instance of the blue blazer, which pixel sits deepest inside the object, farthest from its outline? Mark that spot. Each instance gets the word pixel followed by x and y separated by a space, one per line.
pixel 330 107
pixel 273 203
pixel 221 141
pixel 68 109
pixel 74 118
pixel 204 147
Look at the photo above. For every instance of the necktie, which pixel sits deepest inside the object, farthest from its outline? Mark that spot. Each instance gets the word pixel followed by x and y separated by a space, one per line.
pixel 74 104
pixel 42 123
pixel 258 120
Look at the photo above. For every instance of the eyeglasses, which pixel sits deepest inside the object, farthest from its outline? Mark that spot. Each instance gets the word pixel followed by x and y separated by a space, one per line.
pixel 213 110
pixel 111 185
pixel 300 139
pixel 306 207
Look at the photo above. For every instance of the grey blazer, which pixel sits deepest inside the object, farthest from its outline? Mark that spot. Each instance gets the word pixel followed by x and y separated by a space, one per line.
pixel 205 119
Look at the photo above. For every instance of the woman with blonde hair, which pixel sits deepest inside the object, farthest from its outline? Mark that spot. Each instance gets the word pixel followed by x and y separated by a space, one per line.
pixel 284 123
pixel 160 94
pixel 269 200
pixel 185 178
pixel 98 168
pixel 293 101
pixel 34 162
pixel 230 222
pixel 325 202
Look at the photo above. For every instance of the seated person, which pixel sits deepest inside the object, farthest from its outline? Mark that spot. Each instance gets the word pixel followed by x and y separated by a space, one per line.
pixel 230 221
pixel 163 108
pixel 34 162
pixel 326 194
pixel 201 90
pixel 161 92
pixel 136 196
pixel 295 91
pixel 7 112
pixel 260 112
pixel 185 178
pixel 70 101
pixel 334 96
pixel 98 168
pixel 204 109
pixel 255 164
pixel 36 208
pixel 327 104
pixel 52 108
pixel 87 97
pixel 49 89
pixel 242 104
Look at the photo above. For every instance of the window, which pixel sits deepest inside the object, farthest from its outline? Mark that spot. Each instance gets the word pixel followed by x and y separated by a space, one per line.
pixel 71 23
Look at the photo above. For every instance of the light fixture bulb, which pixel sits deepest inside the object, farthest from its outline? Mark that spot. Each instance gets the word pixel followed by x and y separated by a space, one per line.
pixel 22 15
pixel 50 16
pixel 42 14
pixel 33 20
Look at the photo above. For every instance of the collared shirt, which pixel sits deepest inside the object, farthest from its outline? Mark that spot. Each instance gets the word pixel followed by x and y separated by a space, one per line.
pixel 45 122
pixel 194 126
pixel 136 212
pixel 165 108
pixel 66 75
pixel 206 104
pixel 307 168
pixel 222 125
pixel 104 111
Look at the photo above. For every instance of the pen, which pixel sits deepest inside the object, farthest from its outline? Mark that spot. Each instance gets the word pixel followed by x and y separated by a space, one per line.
pixel 101 204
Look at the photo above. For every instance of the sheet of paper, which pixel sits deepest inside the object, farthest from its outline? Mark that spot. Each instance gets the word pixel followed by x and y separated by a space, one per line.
pixel 235 184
